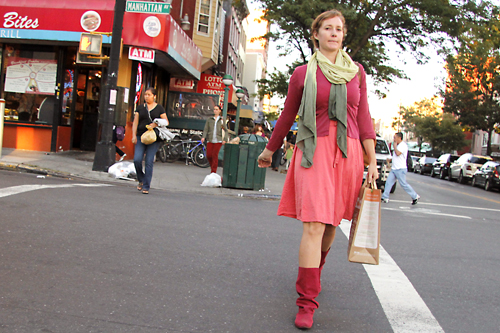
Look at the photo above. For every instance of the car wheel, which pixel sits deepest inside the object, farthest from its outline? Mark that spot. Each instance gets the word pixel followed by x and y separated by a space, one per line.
pixel 487 185
pixel 422 171
pixel 450 178
pixel 432 173
pixel 461 178
pixel 441 174
pixel 473 183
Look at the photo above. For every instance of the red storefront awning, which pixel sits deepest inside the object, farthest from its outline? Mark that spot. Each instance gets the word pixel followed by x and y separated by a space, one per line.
pixel 65 20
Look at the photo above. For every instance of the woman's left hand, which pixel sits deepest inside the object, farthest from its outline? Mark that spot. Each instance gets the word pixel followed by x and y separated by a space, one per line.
pixel 153 125
pixel 372 172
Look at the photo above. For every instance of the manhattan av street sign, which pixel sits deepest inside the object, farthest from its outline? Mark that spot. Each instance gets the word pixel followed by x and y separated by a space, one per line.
pixel 147 7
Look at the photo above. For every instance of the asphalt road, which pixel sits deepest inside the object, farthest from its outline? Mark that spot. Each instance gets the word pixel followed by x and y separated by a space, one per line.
pixel 78 256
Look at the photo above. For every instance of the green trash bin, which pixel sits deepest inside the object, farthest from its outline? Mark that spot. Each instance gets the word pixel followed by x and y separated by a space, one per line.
pixel 241 169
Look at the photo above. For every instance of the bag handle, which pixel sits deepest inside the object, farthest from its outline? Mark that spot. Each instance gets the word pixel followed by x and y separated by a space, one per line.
pixel 372 185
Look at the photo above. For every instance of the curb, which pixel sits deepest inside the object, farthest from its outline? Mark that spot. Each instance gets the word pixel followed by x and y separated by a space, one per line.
pixel 33 169
pixel 48 172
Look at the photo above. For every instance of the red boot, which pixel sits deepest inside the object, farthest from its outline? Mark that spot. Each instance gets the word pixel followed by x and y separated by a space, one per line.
pixel 308 289
pixel 321 264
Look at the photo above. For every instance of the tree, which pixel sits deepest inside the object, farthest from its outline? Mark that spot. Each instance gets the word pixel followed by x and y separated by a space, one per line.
pixel 426 121
pixel 473 85
pixel 411 24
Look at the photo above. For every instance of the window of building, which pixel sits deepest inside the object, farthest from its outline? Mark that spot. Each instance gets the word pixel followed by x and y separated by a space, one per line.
pixel 204 17
pixel 29 81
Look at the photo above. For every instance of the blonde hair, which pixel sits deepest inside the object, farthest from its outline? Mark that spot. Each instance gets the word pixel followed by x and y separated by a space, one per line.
pixel 322 17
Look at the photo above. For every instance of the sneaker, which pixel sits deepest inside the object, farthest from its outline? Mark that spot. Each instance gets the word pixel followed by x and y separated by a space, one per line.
pixel 121 158
pixel 415 201
pixel 385 200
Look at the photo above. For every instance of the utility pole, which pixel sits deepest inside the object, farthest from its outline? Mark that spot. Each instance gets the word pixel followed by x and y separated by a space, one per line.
pixel 105 149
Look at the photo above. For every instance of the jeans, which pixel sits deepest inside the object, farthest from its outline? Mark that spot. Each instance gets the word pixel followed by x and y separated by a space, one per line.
pixel 400 176
pixel 150 150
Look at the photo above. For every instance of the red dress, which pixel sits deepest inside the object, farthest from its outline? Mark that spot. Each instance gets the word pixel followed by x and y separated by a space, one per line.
pixel 327 191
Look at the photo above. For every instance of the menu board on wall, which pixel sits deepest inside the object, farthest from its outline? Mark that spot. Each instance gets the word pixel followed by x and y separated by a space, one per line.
pixel 31 76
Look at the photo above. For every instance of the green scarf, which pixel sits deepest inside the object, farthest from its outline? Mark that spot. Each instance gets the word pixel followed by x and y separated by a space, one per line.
pixel 338 74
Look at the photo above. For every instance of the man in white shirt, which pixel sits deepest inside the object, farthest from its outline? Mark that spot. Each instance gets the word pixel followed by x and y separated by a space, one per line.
pixel 398 170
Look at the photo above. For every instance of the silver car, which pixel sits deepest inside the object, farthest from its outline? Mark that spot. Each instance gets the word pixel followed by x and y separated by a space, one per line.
pixel 465 166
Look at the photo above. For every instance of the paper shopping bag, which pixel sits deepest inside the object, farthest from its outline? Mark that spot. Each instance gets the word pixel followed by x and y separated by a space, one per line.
pixel 364 238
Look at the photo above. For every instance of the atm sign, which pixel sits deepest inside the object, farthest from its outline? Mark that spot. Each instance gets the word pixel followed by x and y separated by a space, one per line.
pixel 147 55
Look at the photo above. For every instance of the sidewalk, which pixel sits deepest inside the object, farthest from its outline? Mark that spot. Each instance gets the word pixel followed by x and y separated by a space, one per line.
pixel 175 176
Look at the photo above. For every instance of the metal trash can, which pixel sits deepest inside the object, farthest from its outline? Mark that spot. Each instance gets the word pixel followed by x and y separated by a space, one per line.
pixel 241 169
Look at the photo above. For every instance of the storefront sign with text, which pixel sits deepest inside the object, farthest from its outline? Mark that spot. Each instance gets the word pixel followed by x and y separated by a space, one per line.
pixel 139 54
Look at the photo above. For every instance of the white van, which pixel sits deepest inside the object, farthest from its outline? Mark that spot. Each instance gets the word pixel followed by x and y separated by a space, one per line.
pixel 382 152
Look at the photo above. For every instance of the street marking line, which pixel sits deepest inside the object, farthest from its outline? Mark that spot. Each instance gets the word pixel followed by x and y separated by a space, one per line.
pixel 445 205
pixel 430 213
pixel 5 192
pixel 403 306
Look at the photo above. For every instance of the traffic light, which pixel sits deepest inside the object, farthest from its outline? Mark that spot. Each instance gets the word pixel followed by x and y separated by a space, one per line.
pixel 90 44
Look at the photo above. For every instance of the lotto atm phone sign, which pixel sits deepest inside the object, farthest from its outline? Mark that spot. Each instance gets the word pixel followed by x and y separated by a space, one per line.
pixel 90 44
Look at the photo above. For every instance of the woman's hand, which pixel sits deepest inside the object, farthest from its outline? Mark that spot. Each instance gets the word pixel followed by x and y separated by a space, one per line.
pixel 153 125
pixel 134 139
pixel 372 172
pixel 265 158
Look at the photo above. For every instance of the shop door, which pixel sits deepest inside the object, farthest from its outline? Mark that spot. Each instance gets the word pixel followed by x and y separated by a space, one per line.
pixel 87 109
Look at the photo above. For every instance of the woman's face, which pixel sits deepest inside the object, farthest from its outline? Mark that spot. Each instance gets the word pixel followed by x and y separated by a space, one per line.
pixel 149 97
pixel 330 35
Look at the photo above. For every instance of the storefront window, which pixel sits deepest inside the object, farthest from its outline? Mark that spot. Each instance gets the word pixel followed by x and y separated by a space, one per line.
pixel 68 85
pixel 29 83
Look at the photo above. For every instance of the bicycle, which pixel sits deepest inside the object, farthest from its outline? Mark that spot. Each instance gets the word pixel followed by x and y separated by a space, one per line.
pixel 191 150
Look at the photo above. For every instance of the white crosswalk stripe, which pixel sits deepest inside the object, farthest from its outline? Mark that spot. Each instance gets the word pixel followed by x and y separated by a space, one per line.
pixel 403 306
pixel 5 192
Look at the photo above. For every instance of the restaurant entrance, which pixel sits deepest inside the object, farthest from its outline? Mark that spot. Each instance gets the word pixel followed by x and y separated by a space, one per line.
pixel 86 113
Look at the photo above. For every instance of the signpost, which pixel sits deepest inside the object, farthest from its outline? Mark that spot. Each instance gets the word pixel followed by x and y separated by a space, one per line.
pixel 147 7
pixel 105 148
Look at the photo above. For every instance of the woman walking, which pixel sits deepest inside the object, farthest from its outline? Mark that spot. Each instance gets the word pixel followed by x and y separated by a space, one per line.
pixel 145 115
pixel 326 170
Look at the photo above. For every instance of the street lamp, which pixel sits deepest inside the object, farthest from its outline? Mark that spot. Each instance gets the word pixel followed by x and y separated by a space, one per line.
pixel 185 24
pixel 227 80
pixel 239 93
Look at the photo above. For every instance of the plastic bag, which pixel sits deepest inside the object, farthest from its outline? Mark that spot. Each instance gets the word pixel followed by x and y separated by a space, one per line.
pixel 212 180
pixel 149 136
pixel 122 170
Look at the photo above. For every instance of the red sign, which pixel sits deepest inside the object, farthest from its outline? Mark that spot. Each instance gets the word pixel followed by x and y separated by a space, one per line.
pixel 182 83
pixel 169 38
pixel 213 85
pixel 73 16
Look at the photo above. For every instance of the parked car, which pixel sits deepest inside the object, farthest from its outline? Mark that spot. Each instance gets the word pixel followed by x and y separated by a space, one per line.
pixel 424 165
pixel 442 165
pixel 414 160
pixel 487 176
pixel 382 152
pixel 464 167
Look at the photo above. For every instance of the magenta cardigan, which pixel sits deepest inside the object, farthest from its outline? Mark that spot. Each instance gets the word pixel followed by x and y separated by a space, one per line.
pixel 359 121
